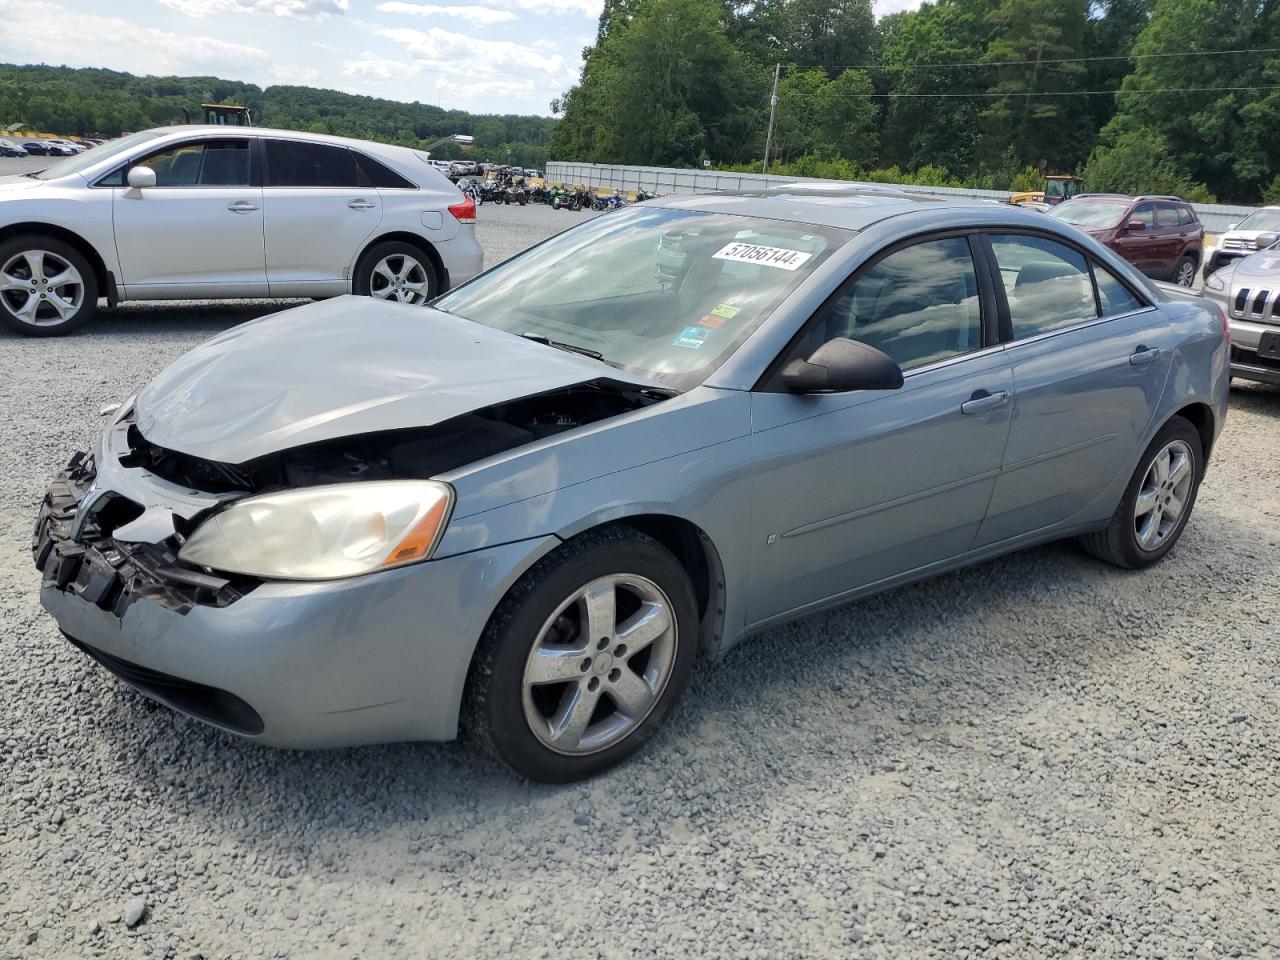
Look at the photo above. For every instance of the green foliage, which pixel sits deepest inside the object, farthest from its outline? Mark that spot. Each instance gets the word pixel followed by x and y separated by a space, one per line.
pixel 1139 162
pixel 84 102
pixel 1271 195
pixel 1026 180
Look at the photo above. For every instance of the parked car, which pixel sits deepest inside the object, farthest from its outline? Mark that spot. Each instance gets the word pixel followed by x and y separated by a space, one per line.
pixel 1248 290
pixel 68 147
pixel 203 213
pixel 530 507
pixel 10 149
pixel 36 148
pixel 1240 240
pixel 1161 236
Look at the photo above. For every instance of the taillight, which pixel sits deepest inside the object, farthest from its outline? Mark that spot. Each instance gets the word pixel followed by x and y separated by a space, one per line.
pixel 464 212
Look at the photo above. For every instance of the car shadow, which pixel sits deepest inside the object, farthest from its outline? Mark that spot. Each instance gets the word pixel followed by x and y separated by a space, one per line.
pixel 1262 398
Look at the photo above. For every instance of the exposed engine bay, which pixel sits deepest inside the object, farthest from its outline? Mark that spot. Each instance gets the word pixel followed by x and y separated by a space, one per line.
pixel 416 452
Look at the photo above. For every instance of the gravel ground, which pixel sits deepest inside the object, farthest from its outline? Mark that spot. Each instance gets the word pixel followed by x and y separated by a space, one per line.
pixel 1036 757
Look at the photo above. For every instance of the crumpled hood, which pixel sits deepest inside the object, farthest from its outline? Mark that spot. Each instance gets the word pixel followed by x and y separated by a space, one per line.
pixel 339 368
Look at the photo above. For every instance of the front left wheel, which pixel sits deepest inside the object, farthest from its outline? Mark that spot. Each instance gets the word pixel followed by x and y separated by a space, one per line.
pixel 584 658
pixel 396 271
pixel 47 287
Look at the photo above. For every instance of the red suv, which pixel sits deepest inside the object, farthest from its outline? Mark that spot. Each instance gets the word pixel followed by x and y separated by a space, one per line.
pixel 1161 236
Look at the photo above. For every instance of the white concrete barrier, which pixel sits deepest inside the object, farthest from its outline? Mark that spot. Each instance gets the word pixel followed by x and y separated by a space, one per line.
pixel 1216 217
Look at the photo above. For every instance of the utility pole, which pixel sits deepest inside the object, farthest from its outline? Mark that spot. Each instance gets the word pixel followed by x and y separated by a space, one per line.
pixel 773 109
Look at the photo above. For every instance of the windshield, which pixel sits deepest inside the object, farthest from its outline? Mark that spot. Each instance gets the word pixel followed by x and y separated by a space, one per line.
pixel 1261 220
pixel 667 294
pixel 89 158
pixel 1091 213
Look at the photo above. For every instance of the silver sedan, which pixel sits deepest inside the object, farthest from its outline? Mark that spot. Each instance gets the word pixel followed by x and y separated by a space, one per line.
pixel 527 510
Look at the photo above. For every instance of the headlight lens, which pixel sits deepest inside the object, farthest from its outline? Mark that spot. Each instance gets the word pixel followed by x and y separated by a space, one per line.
pixel 323 533
pixel 1218 279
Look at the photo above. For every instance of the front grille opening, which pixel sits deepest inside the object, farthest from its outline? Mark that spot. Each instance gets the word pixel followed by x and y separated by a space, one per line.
pixel 114 513
pixel 210 704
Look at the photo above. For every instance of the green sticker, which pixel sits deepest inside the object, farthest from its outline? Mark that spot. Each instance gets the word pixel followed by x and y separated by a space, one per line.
pixel 726 310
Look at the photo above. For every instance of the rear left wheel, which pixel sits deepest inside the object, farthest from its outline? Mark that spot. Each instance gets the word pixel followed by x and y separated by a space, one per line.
pixel 584 658
pixel 1157 503
pixel 396 271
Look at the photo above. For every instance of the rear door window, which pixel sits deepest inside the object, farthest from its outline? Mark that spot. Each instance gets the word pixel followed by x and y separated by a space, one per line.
pixel 1185 216
pixel 1113 296
pixel 295 163
pixel 1046 283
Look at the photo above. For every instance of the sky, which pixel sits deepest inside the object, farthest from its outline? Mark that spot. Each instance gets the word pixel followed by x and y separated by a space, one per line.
pixel 485 56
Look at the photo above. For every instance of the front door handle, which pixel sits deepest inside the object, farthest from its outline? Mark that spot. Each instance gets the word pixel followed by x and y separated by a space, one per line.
pixel 361 204
pixel 982 400
pixel 1144 355
pixel 242 206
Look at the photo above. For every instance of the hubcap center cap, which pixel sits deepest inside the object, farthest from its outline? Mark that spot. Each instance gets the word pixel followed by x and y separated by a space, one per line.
pixel 602 664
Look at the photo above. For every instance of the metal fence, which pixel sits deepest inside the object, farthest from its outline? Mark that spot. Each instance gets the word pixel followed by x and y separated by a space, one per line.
pixel 1216 217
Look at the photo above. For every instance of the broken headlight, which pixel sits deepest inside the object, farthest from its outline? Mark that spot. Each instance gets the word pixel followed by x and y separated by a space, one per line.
pixel 323 533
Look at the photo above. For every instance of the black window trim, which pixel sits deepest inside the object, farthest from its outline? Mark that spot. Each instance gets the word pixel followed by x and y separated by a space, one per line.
pixel 255 172
pixel 1006 323
pixel 770 380
pixel 360 155
pixel 355 163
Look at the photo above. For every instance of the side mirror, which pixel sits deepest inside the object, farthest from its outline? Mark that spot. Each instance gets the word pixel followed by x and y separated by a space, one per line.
pixel 1135 225
pixel 842 364
pixel 141 177
pixel 1232 226
pixel 1265 240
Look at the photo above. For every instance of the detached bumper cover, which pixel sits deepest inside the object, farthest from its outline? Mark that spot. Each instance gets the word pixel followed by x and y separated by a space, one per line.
pixel 370 659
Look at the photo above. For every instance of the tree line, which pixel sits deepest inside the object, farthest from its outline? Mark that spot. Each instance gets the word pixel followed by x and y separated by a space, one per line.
pixel 85 102
pixel 1134 95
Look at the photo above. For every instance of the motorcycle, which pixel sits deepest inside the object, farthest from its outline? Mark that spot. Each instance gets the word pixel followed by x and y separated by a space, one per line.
pixel 613 202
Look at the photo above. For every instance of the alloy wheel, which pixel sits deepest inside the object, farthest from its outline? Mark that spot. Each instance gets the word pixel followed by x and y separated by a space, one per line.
pixel 1186 274
pixel 599 664
pixel 41 288
pixel 399 277
pixel 1162 497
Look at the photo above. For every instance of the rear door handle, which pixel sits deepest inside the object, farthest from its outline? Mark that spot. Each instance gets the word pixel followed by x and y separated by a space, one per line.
pixel 361 204
pixel 242 206
pixel 982 400
pixel 1143 355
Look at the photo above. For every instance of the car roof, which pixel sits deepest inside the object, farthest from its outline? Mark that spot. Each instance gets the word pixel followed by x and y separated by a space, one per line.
pixel 229 130
pixel 852 207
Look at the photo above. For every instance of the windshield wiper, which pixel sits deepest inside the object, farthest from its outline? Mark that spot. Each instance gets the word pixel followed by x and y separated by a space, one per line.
pixel 561 345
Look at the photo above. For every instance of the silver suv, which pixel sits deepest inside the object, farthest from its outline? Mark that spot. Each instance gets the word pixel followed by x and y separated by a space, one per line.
pixel 195 213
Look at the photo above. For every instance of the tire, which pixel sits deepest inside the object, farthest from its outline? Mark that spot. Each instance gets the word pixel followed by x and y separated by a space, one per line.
pixel 522 199
pixel 397 272
pixel 1184 272
pixel 47 310
pixel 530 726
pixel 1121 543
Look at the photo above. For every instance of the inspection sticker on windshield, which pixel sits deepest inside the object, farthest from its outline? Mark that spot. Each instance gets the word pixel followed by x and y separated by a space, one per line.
pixel 692 338
pixel 779 257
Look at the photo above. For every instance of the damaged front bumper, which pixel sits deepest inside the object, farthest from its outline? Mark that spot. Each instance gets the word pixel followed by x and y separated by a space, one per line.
pixel 369 659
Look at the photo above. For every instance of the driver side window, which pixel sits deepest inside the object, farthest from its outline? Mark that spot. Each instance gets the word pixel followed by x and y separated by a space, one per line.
pixel 205 163
pixel 918 305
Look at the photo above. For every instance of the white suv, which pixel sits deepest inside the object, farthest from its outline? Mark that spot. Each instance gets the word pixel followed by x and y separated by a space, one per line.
pixel 1240 239
pixel 194 213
